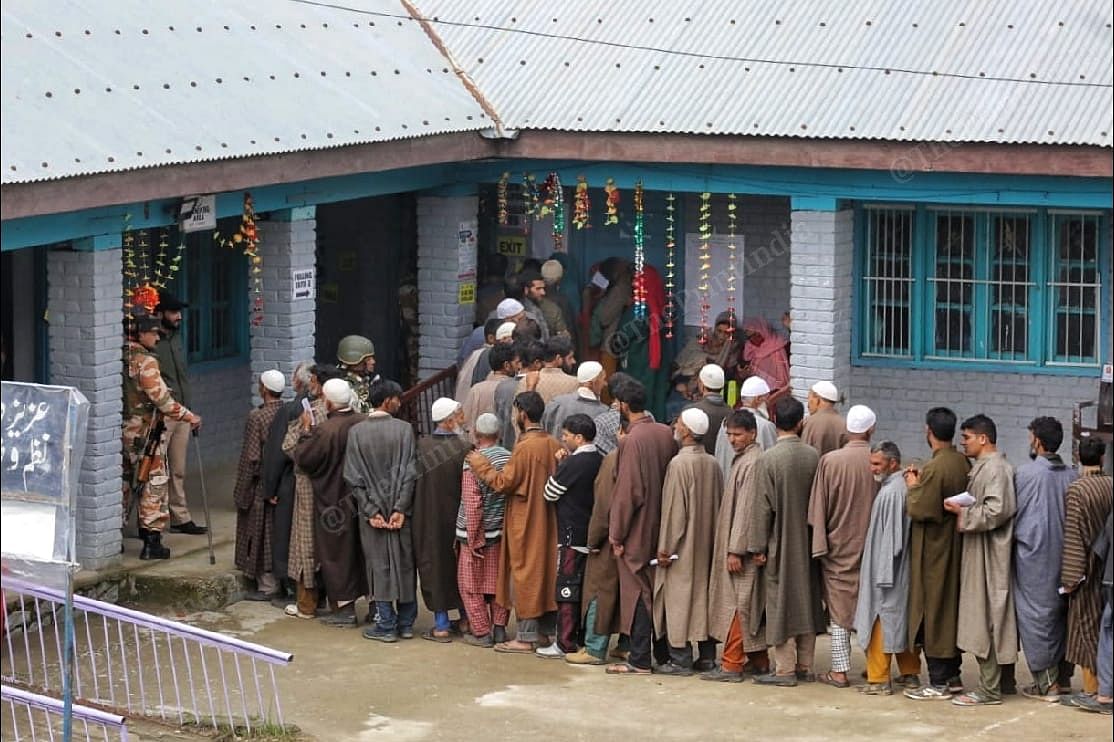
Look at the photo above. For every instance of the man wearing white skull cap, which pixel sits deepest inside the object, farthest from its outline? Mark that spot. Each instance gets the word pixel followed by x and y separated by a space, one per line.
pixel 839 514
pixel 824 428
pixel 586 399
pixel 710 385
pixel 254 513
pixel 690 499
pixel 436 502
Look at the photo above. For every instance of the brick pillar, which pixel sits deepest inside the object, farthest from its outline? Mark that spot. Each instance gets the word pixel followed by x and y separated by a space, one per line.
pixel 287 242
pixel 443 321
pixel 820 297
pixel 85 311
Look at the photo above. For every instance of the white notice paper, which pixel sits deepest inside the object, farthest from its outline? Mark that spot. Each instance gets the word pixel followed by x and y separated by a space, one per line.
pixel 963 499
pixel 27 530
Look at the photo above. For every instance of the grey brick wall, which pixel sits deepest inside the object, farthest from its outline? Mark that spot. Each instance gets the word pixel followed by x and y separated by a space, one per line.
pixel 443 322
pixel 900 398
pixel 821 289
pixel 84 306
pixel 763 221
pixel 288 241
pixel 222 396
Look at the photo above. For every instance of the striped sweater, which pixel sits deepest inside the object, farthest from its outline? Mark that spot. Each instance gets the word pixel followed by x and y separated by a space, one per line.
pixel 479 519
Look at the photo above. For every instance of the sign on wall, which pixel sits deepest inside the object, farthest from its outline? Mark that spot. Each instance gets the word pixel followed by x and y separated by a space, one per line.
pixel 198 213
pixel 466 250
pixel 511 245
pixel 303 283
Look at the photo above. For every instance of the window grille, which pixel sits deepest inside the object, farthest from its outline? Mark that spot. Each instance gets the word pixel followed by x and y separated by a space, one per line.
pixel 888 282
pixel 1076 288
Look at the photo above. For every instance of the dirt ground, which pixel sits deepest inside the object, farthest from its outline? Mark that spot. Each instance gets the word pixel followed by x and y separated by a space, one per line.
pixel 344 688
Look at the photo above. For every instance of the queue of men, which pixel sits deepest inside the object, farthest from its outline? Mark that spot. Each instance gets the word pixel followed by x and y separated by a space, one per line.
pixel 592 521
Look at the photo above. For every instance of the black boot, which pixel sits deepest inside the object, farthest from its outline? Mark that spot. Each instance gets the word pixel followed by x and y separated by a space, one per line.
pixel 152 546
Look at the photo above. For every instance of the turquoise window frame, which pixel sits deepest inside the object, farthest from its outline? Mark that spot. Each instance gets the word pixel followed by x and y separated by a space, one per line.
pixel 1039 307
pixel 203 263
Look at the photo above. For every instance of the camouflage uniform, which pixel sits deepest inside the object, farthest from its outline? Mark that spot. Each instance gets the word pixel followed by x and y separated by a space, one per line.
pixel 144 393
pixel 361 385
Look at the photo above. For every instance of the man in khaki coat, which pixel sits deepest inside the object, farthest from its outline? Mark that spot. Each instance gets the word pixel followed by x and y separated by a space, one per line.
pixel 735 590
pixel 987 624
pixel 689 499
pixel 824 427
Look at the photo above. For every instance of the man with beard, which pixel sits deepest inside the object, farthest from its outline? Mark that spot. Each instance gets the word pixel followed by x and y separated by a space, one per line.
pixel 302 561
pixel 735 595
pixel 881 614
pixel 987 622
pixel 381 467
pixel 934 558
pixel 254 510
pixel 321 455
pixel 1038 542
pixel 279 481
pixel 839 515
pixel 552 380
pixel 779 543
pixel 356 359
pixel 175 372
pixel 436 502
pixel 1087 503
pixel 635 520
pixel 527 567
pixel 690 498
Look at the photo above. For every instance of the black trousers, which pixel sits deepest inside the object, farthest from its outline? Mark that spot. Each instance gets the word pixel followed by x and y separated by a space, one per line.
pixel 644 645
pixel 940 669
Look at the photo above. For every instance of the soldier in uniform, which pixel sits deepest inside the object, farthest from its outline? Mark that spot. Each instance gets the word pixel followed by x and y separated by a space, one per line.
pixel 356 358
pixel 145 396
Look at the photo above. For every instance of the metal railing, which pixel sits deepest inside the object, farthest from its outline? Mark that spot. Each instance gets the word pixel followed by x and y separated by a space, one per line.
pixel 33 716
pixel 138 663
pixel 417 401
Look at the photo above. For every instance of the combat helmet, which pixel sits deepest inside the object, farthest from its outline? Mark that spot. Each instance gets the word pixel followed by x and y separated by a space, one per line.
pixel 354 348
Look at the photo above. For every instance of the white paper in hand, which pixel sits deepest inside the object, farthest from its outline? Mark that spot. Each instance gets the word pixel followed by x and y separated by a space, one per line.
pixel 963 499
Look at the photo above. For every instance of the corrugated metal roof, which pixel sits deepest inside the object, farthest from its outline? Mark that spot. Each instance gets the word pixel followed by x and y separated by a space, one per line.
pixel 94 86
pixel 1005 71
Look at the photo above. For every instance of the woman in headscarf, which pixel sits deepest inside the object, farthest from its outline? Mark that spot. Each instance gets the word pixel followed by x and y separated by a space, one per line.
pixel 765 352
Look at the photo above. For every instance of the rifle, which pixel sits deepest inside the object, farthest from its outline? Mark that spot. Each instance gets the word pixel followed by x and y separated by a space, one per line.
pixel 149 457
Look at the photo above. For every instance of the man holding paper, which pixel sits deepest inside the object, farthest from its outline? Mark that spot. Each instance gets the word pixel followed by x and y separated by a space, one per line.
pixel 934 557
pixel 987 625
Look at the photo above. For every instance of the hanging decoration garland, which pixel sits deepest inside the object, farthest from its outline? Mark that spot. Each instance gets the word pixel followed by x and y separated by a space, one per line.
pixel 582 208
pixel 670 249
pixel 639 252
pixel 612 203
pixel 164 269
pixel 554 203
pixel 246 238
pixel 731 271
pixel 705 262
pixel 501 197
pixel 530 197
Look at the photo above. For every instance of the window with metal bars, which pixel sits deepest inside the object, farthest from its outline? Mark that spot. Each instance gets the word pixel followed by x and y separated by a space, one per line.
pixel 1004 288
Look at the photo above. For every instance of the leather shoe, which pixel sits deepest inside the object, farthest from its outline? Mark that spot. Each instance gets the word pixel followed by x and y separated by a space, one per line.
pixel 189 528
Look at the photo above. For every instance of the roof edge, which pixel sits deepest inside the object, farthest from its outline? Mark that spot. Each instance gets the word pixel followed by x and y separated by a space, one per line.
pixel 465 79
pixel 75 193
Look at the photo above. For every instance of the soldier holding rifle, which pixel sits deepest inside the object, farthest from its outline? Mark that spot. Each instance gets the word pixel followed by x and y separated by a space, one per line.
pixel 147 400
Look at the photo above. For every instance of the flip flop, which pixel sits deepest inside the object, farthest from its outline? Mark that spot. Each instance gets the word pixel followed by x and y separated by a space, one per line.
pixel 626 668
pixel 827 679
pixel 506 648
pixel 428 634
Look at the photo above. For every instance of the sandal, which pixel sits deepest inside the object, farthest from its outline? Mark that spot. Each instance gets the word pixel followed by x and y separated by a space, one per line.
pixel 827 679
pixel 975 698
pixel 506 648
pixel 626 668
pixel 433 636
